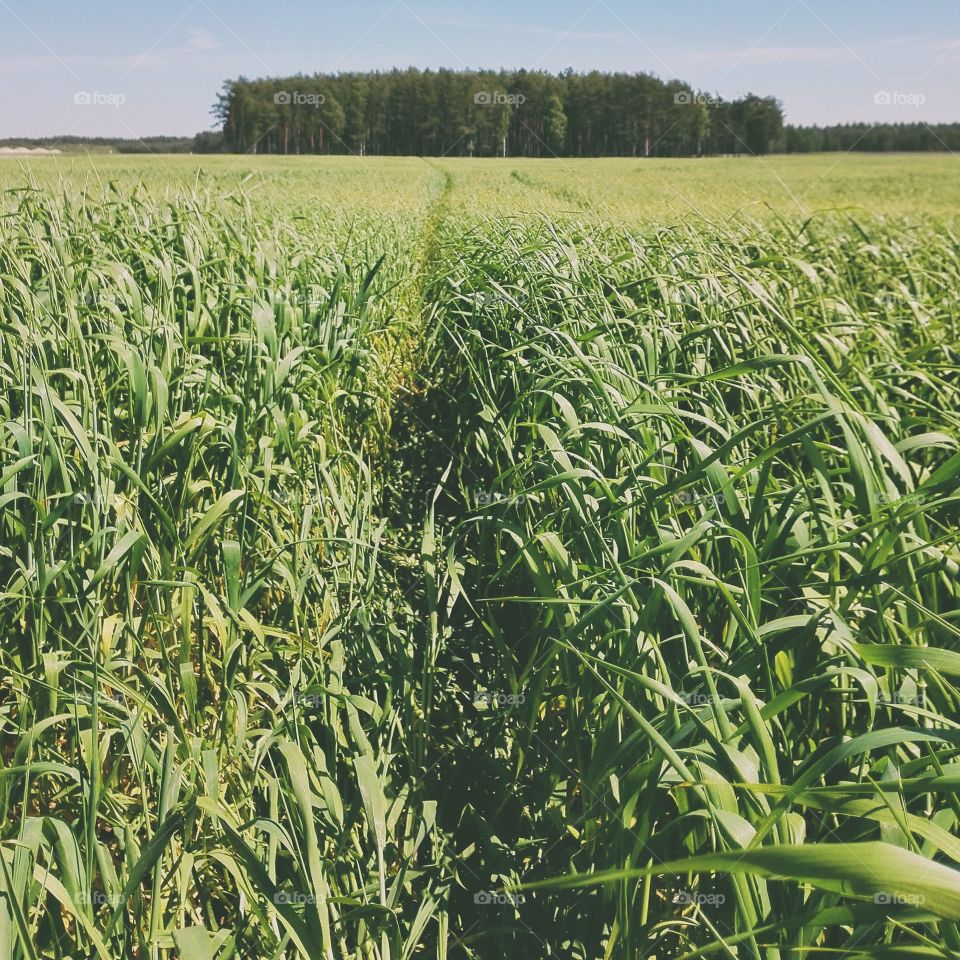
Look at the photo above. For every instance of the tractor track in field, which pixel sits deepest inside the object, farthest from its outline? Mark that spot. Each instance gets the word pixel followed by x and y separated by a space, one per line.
pixel 416 433
pixel 416 436
pixel 435 218
pixel 419 446
pixel 412 311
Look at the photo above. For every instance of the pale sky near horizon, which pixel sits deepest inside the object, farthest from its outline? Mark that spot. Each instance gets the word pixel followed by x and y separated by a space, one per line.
pixel 157 68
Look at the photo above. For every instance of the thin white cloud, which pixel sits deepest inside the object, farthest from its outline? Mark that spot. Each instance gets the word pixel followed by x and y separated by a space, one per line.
pixel 756 55
pixel 489 24
pixel 200 39
pixel 92 70
pixel 917 49
pixel 183 54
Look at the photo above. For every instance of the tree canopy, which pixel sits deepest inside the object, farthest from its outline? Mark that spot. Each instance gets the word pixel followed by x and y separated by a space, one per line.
pixel 491 113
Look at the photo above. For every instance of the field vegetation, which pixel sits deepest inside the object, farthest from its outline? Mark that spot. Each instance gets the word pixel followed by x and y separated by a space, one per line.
pixel 474 559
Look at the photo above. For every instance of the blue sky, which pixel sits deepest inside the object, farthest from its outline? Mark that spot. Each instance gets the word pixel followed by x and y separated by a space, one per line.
pixel 156 68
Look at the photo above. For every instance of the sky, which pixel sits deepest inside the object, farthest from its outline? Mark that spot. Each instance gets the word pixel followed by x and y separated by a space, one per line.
pixel 124 68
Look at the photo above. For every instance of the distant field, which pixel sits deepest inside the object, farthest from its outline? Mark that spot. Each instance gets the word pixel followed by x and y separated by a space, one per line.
pixel 615 190
pixel 479 559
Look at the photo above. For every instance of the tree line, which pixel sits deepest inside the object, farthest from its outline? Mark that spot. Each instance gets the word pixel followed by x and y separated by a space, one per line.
pixel 491 113
pixel 874 138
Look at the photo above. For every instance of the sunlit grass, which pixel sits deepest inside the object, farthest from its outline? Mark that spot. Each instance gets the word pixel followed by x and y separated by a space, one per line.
pixel 416 573
pixel 616 191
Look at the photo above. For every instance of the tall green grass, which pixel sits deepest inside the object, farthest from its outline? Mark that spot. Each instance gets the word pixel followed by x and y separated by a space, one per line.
pixel 397 586
pixel 711 539
pixel 195 409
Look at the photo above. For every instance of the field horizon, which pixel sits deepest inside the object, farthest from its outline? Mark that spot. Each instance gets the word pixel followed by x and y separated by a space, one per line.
pixel 882 184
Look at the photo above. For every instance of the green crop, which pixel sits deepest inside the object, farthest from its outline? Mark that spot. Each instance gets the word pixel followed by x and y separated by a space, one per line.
pixel 448 560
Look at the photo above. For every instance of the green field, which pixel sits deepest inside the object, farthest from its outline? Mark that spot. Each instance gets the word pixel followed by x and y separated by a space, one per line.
pixel 479 559
pixel 630 192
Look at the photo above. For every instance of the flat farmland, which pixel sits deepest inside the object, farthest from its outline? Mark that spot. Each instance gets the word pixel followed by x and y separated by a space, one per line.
pixel 631 192
pixel 479 558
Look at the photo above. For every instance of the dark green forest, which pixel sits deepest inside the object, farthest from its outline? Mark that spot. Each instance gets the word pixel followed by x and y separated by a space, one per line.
pixel 486 113
pixel 873 138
